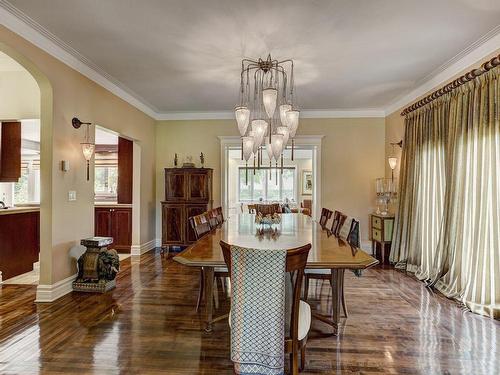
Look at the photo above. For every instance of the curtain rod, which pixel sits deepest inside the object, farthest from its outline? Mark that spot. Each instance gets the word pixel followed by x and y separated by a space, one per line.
pixel 469 76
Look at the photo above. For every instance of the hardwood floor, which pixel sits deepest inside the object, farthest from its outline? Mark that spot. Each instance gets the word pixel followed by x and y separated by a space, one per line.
pixel 148 325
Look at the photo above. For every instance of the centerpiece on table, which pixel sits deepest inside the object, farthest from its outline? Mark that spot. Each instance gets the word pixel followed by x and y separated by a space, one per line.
pixel 267 219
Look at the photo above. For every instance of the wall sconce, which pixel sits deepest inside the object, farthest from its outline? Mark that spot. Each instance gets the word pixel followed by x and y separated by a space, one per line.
pixel 393 160
pixel 87 146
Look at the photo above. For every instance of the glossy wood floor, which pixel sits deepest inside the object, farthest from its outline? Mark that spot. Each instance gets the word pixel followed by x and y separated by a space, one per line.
pixel 148 325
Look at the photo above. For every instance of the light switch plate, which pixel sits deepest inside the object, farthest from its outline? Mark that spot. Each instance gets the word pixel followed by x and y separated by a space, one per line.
pixel 72 195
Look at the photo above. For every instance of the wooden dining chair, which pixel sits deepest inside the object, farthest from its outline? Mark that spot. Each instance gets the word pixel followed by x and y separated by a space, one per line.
pixel 300 317
pixel 326 214
pixel 339 220
pixel 201 226
pixel 220 215
pixel 251 208
pixel 268 209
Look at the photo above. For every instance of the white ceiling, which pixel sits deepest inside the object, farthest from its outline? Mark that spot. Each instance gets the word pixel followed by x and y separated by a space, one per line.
pixel 184 56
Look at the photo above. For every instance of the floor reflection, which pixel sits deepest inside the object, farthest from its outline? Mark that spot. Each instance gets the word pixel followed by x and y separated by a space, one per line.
pixel 148 324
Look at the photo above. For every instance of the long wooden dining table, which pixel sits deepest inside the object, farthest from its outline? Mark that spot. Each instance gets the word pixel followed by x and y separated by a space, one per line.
pixel 295 230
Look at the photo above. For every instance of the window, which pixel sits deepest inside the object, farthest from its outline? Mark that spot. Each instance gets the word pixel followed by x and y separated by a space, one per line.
pixel 106 175
pixel 106 179
pixel 27 188
pixel 262 185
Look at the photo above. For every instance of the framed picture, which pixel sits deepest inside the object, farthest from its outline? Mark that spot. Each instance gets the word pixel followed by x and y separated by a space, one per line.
pixel 307 182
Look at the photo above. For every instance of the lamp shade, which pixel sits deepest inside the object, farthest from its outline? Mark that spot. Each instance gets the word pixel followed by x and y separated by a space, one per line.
pixel 247 147
pixel 259 129
pixel 88 150
pixel 269 97
pixel 242 118
pixel 292 118
pixel 269 149
pixel 284 108
pixel 392 162
pixel 285 132
pixel 277 145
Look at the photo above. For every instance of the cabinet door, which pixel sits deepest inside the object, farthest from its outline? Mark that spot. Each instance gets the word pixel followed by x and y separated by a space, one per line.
pixel 192 211
pixel 10 151
pixel 175 185
pixel 122 228
pixel 102 222
pixel 198 186
pixel 174 219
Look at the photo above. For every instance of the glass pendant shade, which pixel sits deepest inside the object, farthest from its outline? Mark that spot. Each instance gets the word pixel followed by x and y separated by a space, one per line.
pixel 242 118
pixel 269 149
pixel 292 118
pixel 251 133
pixel 269 97
pixel 277 145
pixel 88 150
pixel 283 130
pixel 259 129
pixel 392 162
pixel 284 108
pixel 247 147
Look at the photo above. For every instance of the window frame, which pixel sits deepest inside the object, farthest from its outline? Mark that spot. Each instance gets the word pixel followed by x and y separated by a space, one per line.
pixel 266 184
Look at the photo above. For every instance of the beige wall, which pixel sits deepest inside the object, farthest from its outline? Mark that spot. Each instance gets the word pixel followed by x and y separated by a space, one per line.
pixel 20 96
pixel 64 223
pixel 352 157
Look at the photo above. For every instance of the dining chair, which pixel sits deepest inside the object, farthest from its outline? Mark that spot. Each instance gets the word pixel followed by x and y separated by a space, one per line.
pixel 326 214
pixel 251 208
pixel 220 215
pixel 300 312
pixel 268 209
pixel 338 221
pixel 201 226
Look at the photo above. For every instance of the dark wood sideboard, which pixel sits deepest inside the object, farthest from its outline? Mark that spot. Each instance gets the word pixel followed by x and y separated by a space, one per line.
pixel 188 192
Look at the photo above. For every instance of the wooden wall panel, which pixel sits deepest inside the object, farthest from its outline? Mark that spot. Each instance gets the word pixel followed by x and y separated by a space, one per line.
pixel 10 151
pixel 125 170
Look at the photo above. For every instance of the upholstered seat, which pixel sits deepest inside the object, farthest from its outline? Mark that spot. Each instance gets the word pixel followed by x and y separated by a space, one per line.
pixel 304 319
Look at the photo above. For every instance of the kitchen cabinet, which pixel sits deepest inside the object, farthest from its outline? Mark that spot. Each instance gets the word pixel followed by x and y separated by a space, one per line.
pixel 19 242
pixel 10 151
pixel 116 222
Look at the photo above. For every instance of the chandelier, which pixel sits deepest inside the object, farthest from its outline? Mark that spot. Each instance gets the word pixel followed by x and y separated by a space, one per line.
pixel 267 116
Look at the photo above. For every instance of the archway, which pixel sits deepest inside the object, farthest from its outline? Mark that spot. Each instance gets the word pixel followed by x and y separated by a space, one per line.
pixel 46 162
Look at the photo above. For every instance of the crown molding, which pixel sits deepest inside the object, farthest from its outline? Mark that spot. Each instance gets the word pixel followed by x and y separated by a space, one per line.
pixel 229 115
pixel 21 24
pixel 477 51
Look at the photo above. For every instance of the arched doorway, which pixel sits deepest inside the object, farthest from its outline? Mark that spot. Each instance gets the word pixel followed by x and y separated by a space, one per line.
pixel 46 162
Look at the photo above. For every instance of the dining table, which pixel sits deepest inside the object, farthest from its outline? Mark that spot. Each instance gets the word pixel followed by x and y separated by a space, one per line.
pixel 295 230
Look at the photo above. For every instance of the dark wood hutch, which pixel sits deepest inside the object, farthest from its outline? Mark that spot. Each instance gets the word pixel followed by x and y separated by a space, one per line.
pixel 188 192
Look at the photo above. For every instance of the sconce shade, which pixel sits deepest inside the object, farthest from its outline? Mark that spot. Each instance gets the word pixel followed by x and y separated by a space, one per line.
pixel 242 118
pixel 392 162
pixel 269 97
pixel 88 150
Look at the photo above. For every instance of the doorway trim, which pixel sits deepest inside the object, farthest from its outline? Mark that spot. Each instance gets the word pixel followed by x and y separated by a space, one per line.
pixel 229 142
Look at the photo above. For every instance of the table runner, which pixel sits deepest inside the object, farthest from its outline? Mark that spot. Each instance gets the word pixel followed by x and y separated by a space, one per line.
pixel 258 310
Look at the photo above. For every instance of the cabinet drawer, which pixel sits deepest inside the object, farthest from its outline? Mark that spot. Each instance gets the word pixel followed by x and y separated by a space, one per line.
pixel 376 222
pixel 376 234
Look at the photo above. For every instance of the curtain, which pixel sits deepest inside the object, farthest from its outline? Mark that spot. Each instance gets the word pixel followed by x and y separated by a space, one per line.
pixel 447 229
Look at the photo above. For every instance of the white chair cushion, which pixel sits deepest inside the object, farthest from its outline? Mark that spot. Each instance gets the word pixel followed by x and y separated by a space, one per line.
pixel 317 271
pixel 304 319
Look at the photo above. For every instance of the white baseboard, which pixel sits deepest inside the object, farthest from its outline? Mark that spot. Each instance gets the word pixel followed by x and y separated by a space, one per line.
pixel 158 242
pixel 49 293
pixel 143 248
